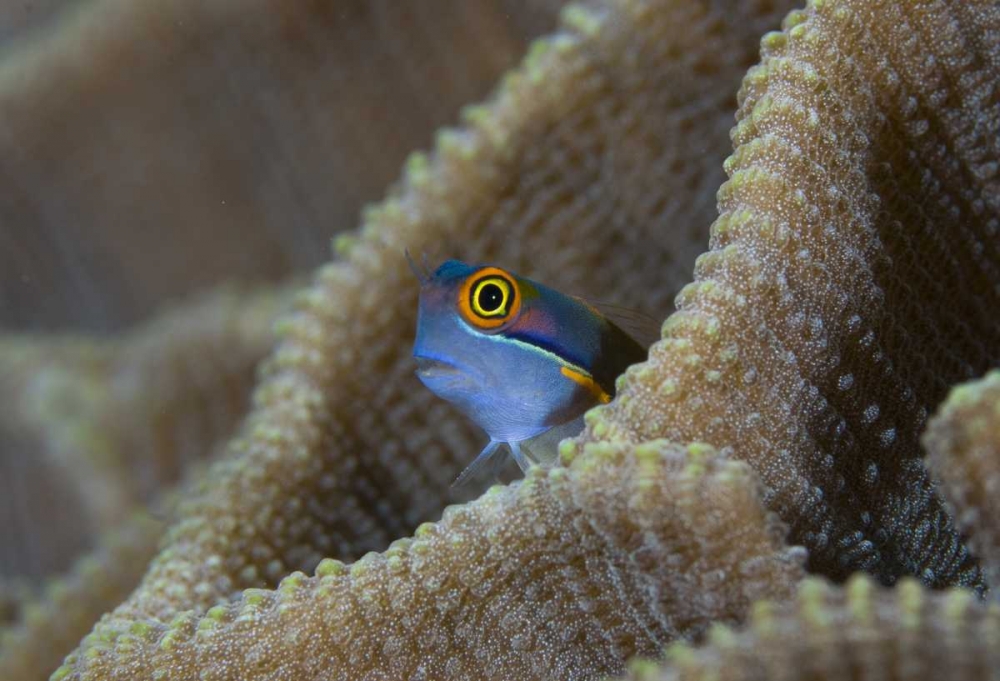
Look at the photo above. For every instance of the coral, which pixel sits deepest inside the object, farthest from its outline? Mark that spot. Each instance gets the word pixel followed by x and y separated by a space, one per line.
pixel 202 358
pixel 53 622
pixel 858 631
pixel 831 313
pixel 117 421
pixel 336 459
pixel 112 422
pixel 834 309
pixel 566 573
pixel 42 537
pixel 13 595
pixel 963 451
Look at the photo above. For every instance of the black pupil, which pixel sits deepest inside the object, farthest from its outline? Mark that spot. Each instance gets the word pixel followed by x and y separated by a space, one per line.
pixel 490 298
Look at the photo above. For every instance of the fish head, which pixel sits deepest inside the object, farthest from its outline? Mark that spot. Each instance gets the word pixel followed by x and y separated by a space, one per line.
pixel 463 311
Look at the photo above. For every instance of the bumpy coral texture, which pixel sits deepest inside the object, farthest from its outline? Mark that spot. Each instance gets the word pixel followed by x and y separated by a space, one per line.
pixel 848 284
pixel 336 459
pixel 563 576
pixel 858 631
pixel 53 622
pixel 963 451
pixel 30 466
pixel 832 312
pixel 117 421
pixel 120 419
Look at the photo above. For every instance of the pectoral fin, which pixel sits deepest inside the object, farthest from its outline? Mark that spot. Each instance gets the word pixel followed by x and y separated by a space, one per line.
pixel 544 449
pixel 477 464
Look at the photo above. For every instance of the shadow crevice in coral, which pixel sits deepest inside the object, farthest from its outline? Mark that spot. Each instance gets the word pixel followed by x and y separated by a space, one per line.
pixel 800 282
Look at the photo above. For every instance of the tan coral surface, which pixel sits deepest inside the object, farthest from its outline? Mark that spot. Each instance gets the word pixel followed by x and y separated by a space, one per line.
pixel 336 459
pixel 114 422
pixel 57 619
pixel 563 576
pixel 855 632
pixel 104 424
pixel 851 280
pixel 963 451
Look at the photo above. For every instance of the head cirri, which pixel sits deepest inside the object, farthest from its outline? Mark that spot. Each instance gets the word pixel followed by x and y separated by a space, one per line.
pixel 518 358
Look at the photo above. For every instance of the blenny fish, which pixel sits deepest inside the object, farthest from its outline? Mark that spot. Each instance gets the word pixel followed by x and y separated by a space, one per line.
pixel 518 358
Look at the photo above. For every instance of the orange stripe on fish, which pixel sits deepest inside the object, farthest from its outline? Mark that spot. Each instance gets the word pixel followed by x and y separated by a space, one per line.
pixel 587 382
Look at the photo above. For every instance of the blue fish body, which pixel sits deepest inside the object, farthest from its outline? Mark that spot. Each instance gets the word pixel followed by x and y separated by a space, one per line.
pixel 517 357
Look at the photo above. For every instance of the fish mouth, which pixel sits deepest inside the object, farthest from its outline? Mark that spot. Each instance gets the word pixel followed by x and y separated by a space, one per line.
pixel 432 368
pixel 441 375
pixel 429 367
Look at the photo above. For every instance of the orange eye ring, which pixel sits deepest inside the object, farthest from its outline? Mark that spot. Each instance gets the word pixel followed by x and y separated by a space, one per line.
pixel 489 298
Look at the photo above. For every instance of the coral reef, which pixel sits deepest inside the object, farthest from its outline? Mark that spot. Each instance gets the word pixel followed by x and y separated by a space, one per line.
pixel 42 537
pixel 858 631
pixel 963 451
pixel 13 594
pixel 114 421
pixel 816 337
pixel 336 459
pixel 117 421
pixel 567 574
pixel 54 621
pixel 849 282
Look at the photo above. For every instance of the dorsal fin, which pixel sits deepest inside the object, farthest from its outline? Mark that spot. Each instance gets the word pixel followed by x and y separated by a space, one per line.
pixel 642 328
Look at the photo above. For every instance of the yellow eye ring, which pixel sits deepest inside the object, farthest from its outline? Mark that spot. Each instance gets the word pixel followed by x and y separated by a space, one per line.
pixel 489 298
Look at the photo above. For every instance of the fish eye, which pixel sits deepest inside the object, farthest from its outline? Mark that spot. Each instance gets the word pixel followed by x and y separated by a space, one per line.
pixel 490 299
